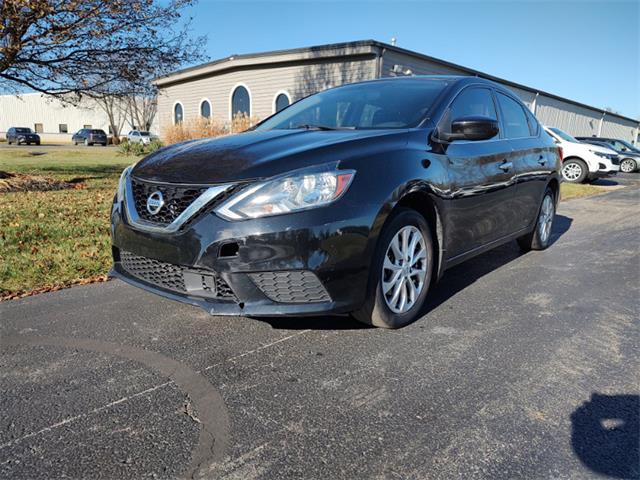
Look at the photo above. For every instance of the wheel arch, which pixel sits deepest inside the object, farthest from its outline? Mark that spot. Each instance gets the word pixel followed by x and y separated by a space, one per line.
pixel 576 157
pixel 424 201
pixel 554 184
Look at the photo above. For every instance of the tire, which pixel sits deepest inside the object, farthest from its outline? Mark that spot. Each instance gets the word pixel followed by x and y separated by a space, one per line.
pixel 377 308
pixel 628 165
pixel 38 143
pixel 8 142
pixel 539 238
pixel 75 143
pixel 574 170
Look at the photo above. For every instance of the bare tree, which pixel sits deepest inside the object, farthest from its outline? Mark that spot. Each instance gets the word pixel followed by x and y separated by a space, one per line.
pixel 60 47
pixel 107 50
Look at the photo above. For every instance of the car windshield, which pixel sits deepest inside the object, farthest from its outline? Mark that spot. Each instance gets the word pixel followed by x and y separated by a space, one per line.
pixel 98 132
pixel 23 130
pixel 564 136
pixel 375 105
pixel 619 144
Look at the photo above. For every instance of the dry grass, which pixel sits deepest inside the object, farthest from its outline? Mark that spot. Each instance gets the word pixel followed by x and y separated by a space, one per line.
pixel 205 128
pixel 579 190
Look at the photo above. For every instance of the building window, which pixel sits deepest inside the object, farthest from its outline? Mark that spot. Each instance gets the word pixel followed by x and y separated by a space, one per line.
pixel 62 128
pixel 240 101
pixel 178 113
pixel 205 109
pixel 86 126
pixel 282 101
pixel 38 127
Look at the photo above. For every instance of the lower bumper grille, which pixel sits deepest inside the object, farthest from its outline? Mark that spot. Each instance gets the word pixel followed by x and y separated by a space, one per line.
pixel 291 287
pixel 175 277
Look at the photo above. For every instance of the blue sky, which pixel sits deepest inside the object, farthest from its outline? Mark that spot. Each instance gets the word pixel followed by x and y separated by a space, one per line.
pixel 588 51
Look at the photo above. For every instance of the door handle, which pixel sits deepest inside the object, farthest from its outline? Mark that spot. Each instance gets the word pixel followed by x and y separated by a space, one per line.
pixel 506 166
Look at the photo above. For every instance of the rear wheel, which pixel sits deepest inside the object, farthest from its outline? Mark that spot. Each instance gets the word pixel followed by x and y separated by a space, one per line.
pixel 400 272
pixel 574 170
pixel 628 165
pixel 539 238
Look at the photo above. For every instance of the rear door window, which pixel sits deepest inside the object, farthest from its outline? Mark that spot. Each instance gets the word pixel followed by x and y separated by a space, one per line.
pixel 514 120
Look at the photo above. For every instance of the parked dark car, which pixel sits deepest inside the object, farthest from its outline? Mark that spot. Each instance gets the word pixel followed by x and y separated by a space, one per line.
pixel 90 136
pixel 629 154
pixel 24 135
pixel 355 199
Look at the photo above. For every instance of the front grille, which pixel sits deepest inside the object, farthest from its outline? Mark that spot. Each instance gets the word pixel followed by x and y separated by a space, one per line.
pixel 176 199
pixel 291 287
pixel 175 277
pixel 162 274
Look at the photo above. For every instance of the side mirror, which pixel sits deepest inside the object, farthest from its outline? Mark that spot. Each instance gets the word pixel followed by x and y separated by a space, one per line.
pixel 471 128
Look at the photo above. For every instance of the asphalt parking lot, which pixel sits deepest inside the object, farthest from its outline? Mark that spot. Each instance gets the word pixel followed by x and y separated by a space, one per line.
pixel 524 366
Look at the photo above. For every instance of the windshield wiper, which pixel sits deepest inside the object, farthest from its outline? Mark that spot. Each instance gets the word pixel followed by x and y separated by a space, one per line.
pixel 307 126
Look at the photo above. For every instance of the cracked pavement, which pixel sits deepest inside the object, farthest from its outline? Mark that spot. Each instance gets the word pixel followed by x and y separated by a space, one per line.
pixel 524 366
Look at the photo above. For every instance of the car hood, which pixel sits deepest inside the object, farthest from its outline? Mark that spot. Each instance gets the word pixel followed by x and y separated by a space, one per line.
pixel 598 148
pixel 257 154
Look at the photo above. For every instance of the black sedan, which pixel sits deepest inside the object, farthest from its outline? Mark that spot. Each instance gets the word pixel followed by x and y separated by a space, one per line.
pixel 353 200
pixel 22 135
pixel 90 136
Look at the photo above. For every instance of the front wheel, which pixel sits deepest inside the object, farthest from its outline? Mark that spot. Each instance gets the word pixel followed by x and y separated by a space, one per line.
pixel 400 272
pixel 539 238
pixel 628 165
pixel 574 170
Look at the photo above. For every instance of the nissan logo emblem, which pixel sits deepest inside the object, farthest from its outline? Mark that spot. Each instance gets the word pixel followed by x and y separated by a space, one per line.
pixel 155 202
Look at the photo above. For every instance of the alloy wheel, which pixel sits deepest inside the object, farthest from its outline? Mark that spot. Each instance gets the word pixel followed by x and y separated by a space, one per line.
pixel 404 269
pixel 545 219
pixel 627 165
pixel 571 171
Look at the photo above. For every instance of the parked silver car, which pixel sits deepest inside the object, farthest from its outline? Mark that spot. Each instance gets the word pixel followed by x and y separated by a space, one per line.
pixel 140 136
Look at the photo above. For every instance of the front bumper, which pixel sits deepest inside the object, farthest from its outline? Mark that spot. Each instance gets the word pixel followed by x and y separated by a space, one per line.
pixel 28 139
pixel 307 263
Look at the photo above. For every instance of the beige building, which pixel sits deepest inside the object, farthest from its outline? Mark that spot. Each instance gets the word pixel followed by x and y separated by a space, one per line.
pixel 259 84
pixel 54 121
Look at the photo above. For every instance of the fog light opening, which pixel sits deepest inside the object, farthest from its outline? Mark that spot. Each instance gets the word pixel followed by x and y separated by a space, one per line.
pixel 229 250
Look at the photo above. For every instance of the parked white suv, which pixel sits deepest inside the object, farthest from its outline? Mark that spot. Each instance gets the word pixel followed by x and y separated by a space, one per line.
pixel 140 136
pixel 583 161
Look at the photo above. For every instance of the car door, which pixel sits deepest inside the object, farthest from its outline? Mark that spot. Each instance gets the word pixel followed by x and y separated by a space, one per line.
pixel 481 176
pixel 532 162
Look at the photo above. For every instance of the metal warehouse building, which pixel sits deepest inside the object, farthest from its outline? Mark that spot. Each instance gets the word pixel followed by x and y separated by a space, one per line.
pixel 53 120
pixel 259 84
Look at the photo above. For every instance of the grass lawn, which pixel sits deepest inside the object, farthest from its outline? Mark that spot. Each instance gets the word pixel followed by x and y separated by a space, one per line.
pixel 54 239
pixel 577 190
pixel 50 240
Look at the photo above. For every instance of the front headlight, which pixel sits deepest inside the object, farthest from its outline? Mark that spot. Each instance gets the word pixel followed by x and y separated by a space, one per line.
pixel 289 193
pixel 122 183
pixel 601 154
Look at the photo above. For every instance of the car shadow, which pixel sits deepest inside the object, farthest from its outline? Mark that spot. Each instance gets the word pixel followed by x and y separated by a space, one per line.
pixel 605 182
pixel 454 280
pixel 605 435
